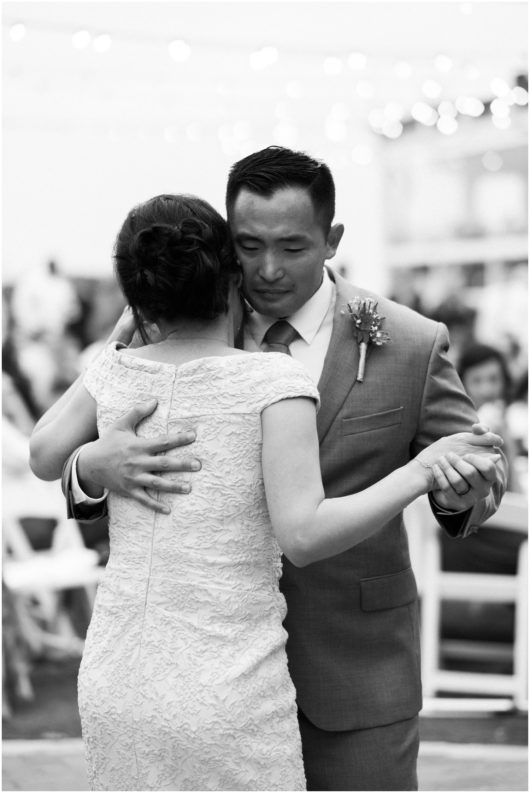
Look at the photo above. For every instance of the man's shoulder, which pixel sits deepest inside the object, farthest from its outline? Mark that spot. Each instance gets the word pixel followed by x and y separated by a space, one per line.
pixel 396 314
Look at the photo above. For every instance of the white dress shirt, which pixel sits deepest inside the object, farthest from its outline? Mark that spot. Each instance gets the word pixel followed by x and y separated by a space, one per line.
pixel 314 323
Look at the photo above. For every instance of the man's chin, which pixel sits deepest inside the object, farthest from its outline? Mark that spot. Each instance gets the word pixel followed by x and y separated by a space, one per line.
pixel 272 306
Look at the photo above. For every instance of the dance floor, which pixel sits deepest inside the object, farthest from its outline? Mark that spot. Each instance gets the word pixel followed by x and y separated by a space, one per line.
pixel 42 749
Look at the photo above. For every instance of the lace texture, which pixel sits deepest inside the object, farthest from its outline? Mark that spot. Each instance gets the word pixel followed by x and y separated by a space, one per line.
pixel 184 682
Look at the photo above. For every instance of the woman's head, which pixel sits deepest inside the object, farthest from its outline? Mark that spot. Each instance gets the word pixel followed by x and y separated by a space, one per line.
pixel 174 259
pixel 484 373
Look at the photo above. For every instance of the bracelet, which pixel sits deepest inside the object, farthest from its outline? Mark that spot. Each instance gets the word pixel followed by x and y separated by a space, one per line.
pixel 424 465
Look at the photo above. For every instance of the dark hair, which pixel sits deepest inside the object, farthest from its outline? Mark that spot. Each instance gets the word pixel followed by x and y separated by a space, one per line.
pixel 274 168
pixel 476 355
pixel 174 258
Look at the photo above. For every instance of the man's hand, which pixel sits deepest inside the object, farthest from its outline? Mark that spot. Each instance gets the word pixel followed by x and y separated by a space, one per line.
pixel 126 332
pixel 127 464
pixel 463 481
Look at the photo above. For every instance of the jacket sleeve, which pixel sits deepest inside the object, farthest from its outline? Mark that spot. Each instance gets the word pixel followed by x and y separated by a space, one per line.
pixel 85 513
pixel 446 409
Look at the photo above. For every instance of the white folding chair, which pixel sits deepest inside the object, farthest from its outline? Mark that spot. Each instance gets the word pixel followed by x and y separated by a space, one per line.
pixel 40 576
pixel 439 585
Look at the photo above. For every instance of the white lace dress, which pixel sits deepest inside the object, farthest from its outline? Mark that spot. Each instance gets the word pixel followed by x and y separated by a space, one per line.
pixel 184 682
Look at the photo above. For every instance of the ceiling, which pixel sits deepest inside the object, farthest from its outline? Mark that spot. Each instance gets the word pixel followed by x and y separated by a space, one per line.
pixel 311 81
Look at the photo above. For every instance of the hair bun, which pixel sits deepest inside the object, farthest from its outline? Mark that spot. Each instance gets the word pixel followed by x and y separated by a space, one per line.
pixel 150 244
pixel 174 258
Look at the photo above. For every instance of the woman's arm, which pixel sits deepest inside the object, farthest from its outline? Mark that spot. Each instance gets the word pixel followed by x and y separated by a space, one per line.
pixel 310 527
pixel 69 423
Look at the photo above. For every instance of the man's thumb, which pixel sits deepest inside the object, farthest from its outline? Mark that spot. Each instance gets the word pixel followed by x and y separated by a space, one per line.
pixel 487 439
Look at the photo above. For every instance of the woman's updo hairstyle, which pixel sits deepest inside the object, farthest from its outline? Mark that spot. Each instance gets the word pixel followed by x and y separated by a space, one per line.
pixel 174 258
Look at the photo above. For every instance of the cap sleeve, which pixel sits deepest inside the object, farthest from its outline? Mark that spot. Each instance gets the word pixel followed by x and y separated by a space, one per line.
pixel 96 373
pixel 281 377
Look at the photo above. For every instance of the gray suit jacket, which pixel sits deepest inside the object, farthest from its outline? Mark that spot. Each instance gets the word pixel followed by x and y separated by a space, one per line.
pixel 352 621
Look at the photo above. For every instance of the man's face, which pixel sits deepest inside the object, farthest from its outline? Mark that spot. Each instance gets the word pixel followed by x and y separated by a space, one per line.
pixel 282 248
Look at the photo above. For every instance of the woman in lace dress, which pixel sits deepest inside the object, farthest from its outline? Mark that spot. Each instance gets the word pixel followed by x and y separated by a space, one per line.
pixel 184 682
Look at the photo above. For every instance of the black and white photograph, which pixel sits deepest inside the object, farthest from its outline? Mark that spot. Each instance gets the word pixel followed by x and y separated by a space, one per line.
pixel 265 395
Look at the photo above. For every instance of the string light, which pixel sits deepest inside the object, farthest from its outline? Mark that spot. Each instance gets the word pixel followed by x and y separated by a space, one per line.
pixel 447 125
pixel 443 63
pixel 376 119
pixel 394 111
pixel 364 89
pixel 179 50
pixel 17 32
pixel 470 106
pixel 431 89
pixel 424 114
pixel 492 161
pixel 500 122
pixel 499 108
pixel 403 70
pixel 392 129
pixel 357 61
pixel 520 95
pixel 500 87
pixel 266 56
pixel 388 121
pixel 332 65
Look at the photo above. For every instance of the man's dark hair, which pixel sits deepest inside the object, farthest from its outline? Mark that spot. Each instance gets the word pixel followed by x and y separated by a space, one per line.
pixel 271 169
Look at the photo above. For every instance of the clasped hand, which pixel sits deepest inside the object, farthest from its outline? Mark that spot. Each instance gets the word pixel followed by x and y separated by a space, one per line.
pixel 463 467
pixel 129 465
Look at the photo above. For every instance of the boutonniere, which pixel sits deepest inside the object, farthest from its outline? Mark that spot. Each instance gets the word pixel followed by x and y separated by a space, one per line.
pixel 366 327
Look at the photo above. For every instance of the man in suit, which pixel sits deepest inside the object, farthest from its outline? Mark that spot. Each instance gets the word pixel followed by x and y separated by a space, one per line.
pixel 352 620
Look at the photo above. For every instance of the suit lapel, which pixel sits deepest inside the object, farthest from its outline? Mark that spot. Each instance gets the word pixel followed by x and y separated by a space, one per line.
pixel 342 358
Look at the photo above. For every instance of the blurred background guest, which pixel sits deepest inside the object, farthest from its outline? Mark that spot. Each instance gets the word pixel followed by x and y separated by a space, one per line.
pixel 485 375
pixel 486 378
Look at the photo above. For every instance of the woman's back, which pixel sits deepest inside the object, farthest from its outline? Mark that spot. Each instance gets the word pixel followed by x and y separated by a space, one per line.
pixel 189 613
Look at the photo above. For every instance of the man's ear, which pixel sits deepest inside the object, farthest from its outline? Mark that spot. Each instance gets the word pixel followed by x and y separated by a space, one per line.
pixel 333 239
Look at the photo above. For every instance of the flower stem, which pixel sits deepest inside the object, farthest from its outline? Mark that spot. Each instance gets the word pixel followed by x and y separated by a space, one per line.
pixel 363 346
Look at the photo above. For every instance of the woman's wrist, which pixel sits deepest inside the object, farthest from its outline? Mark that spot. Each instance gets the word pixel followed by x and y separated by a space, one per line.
pixel 422 475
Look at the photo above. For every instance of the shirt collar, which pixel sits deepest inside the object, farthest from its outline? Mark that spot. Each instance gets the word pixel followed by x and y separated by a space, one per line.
pixel 307 320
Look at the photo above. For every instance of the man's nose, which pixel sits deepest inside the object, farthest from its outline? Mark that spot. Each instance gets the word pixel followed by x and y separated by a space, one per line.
pixel 271 268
